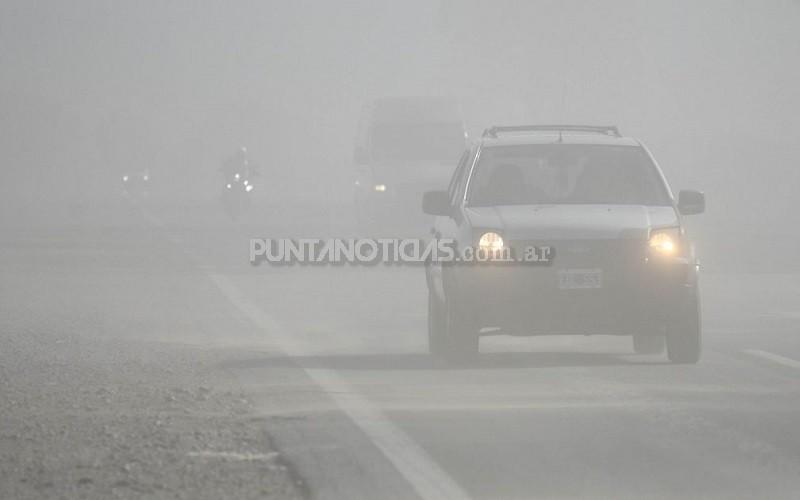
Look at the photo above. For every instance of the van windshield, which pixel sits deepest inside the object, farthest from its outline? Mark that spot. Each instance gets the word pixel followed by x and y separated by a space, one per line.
pixel 566 174
pixel 442 141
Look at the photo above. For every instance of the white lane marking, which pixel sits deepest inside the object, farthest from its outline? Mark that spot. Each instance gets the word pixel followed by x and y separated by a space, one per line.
pixel 775 358
pixel 428 479
pixel 782 314
pixel 426 476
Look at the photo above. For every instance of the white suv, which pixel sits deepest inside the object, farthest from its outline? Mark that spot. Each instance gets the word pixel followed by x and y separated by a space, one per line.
pixel 613 257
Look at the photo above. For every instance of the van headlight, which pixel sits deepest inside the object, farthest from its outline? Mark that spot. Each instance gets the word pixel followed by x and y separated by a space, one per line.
pixel 665 242
pixel 490 242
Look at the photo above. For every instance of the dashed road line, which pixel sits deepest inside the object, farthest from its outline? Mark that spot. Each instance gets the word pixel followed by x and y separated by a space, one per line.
pixel 775 358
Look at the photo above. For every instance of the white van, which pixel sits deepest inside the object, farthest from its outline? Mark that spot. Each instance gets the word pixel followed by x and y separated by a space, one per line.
pixel 405 146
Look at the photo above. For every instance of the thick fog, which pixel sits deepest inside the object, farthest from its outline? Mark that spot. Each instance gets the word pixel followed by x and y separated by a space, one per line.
pixel 91 88
pixel 146 146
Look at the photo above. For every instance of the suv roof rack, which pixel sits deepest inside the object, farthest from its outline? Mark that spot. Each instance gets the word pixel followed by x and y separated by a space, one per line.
pixel 597 129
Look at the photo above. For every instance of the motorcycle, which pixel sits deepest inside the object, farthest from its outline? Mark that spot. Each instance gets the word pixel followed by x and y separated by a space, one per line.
pixel 236 195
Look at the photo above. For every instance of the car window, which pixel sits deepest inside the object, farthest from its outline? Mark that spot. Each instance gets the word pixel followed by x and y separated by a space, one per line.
pixel 566 174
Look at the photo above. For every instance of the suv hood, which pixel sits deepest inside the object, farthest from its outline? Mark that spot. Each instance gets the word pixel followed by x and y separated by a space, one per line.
pixel 554 222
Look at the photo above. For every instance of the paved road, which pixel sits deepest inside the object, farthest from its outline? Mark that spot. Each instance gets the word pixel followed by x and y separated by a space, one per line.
pixel 334 363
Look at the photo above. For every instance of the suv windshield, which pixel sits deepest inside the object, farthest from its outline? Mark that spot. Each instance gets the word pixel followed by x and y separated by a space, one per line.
pixel 417 141
pixel 566 174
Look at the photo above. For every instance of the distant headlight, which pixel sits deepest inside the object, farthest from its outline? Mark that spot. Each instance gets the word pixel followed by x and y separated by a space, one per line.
pixel 490 242
pixel 124 178
pixel 665 242
pixel 145 178
pixel 248 188
pixel 380 188
pixel 228 186
pixel 236 176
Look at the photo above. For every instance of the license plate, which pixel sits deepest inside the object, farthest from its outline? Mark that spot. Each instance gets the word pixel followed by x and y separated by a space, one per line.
pixel 576 279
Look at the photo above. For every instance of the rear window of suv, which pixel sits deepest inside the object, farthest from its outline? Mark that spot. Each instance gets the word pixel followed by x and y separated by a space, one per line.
pixel 566 174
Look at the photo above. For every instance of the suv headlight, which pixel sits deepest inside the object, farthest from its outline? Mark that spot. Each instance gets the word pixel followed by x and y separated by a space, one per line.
pixel 665 242
pixel 490 242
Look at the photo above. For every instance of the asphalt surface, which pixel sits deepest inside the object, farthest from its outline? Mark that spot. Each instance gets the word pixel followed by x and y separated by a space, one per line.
pixel 332 364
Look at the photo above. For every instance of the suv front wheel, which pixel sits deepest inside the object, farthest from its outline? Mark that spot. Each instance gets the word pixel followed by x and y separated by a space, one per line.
pixel 460 331
pixel 452 333
pixel 651 344
pixel 436 326
pixel 684 339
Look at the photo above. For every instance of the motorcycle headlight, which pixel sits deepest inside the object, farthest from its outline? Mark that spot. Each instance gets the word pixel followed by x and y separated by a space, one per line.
pixel 665 242
pixel 490 242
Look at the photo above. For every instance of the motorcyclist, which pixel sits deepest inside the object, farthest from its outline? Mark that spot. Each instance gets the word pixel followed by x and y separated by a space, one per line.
pixel 238 164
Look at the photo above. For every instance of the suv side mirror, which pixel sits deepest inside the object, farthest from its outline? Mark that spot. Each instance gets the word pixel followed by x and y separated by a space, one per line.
pixel 691 202
pixel 361 155
pixel 436 203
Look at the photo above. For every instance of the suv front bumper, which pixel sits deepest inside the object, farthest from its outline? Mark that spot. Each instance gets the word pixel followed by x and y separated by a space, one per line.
pixel 641 297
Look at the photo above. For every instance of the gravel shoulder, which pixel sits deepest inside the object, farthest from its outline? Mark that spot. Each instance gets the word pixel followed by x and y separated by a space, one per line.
pixel 107 386
pixel 110 418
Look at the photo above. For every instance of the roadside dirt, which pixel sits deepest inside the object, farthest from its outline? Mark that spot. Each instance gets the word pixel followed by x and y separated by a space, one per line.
pixel 88 418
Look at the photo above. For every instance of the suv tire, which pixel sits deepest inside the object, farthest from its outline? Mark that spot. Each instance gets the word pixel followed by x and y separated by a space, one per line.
pixel 684 339
pixel 648 344
pixel 461 333
pixel 437 333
